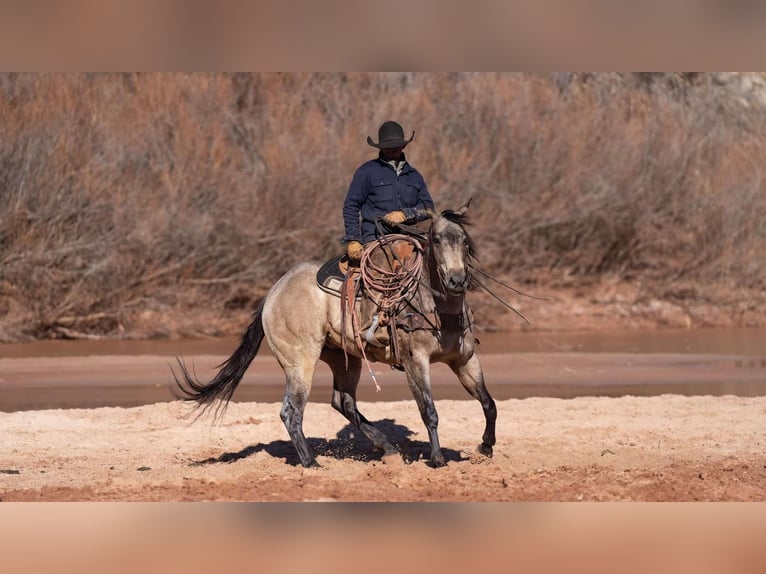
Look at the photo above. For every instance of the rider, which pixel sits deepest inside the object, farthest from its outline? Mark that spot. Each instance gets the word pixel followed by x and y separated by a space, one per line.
pixel 386 187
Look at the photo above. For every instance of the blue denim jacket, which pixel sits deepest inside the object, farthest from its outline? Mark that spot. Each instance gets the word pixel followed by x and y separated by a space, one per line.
pixel 375 190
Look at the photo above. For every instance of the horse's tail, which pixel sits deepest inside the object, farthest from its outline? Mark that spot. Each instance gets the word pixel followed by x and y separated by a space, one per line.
pixel 220 390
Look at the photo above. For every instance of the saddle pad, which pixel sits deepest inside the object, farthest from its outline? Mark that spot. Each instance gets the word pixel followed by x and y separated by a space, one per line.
pixel 331 275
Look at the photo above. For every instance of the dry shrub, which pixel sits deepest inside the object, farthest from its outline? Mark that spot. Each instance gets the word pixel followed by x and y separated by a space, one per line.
pixel 122 193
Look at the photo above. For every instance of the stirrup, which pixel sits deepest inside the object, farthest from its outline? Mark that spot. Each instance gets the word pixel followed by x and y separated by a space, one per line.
pixel 375 336
pixel 370 335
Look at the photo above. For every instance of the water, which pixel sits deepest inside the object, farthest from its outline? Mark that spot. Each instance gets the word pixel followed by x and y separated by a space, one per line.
pixel 736 341
pixel 89 374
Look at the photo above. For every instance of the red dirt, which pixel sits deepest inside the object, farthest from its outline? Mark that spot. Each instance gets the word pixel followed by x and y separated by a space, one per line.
pixel 590 448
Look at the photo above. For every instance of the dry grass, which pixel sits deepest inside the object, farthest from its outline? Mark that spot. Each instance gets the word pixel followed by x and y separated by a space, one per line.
pixel 129 195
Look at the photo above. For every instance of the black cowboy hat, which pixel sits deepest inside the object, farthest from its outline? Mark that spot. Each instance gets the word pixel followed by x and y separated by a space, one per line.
pixel 390 135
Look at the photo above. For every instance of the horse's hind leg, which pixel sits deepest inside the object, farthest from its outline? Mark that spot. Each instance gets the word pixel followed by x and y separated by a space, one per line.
pixel 345 382
pixel 293 405
pixel 298 358
pixel 472 378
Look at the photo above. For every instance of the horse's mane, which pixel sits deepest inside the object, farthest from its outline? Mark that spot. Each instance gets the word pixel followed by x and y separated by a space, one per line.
pixel 458 217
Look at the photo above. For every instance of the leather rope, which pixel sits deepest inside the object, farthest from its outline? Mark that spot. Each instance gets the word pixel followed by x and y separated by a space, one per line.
pixel 387 288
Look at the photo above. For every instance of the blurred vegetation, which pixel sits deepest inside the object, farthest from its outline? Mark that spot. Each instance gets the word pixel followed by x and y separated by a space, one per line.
pixel 123 194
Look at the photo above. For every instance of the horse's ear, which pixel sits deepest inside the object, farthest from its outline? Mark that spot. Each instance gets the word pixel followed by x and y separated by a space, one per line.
pixel 464 208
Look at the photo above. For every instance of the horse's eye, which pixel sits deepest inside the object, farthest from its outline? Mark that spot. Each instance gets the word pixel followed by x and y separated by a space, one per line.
pixel 436 240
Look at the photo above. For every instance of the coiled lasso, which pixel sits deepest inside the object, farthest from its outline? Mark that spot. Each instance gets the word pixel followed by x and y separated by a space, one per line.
pixel 389 287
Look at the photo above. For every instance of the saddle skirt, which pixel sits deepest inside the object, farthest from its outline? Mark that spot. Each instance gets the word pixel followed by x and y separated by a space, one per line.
pixel 331 275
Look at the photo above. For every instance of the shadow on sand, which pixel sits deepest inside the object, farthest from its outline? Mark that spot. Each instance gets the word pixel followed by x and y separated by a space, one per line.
pixel 350 442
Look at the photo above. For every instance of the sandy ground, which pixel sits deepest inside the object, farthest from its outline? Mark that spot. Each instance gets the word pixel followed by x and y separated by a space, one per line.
pixel 655 448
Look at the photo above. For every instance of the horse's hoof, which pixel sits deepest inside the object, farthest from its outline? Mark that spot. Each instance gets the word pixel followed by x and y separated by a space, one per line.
pixel 484 450
pixel 438 461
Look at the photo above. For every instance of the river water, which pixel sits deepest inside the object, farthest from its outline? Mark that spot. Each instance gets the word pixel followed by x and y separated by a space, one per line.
pixel 88 374
pixel 737 341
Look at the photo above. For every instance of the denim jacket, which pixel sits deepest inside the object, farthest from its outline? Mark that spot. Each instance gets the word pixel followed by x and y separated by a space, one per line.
pixel 375 190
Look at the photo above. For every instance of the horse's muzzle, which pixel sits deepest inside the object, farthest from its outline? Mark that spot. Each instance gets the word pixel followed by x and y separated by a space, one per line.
pixel 457 283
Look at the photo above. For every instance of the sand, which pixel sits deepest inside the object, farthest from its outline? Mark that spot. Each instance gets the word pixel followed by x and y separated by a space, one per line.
pixel 653 448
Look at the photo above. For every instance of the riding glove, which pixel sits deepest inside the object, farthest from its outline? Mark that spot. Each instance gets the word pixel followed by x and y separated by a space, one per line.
pixel 354 250
pixel 394 217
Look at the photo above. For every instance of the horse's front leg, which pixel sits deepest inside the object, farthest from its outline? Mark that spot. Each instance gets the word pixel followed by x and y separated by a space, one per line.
pixel 471 377
pixel 419 380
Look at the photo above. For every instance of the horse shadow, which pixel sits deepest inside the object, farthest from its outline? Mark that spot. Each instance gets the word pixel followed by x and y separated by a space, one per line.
pixel 349 443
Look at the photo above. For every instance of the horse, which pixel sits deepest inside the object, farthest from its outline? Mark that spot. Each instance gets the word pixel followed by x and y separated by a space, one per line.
pixel 304 324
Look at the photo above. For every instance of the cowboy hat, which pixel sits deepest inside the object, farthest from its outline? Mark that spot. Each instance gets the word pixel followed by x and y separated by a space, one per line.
pixel 390 135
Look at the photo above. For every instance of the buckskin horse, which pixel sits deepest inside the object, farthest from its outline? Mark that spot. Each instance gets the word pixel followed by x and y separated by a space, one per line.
pixel 303 323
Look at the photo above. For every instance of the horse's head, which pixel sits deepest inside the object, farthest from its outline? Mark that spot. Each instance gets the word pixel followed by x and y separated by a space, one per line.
pixel 452 249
